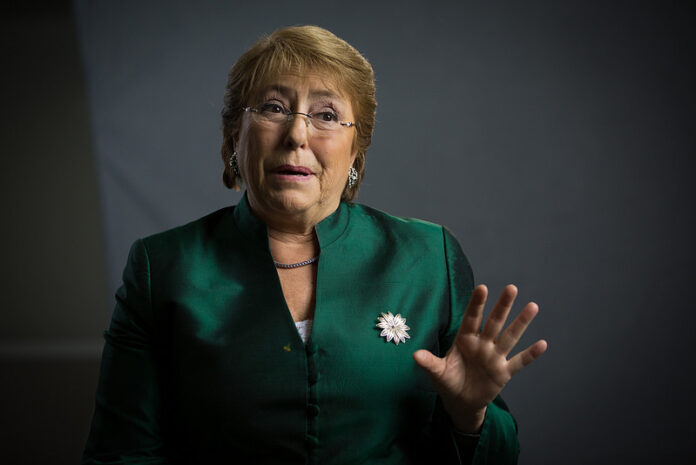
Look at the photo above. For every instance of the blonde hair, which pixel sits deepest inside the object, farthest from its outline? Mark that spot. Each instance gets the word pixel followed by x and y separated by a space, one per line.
pixel 301 49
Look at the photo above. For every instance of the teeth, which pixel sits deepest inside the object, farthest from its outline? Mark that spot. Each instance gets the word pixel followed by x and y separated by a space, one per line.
pixel 294 173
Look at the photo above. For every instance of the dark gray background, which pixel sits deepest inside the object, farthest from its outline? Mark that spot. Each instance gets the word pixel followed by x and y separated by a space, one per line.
pixel 555 139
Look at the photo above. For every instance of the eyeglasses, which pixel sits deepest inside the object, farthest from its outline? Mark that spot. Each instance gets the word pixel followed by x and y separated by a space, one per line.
pixel 272 114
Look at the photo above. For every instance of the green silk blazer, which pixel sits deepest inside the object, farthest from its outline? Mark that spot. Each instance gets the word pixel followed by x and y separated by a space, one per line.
pixel 203 362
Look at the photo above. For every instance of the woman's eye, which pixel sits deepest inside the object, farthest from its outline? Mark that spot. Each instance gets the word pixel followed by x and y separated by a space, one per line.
pixel 272 108
pixel 326 116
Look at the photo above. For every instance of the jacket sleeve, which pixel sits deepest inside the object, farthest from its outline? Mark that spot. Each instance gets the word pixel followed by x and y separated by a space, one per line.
pixel 497 443
pixel 126 423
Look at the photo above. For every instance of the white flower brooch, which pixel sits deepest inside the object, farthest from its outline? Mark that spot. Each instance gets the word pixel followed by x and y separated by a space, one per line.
pixel 393 327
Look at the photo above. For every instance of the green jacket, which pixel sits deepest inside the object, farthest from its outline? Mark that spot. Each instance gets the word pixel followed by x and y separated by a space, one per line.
pixel 203 363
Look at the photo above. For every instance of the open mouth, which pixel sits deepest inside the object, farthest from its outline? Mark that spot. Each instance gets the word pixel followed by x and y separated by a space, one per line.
pixel 292 173
pixel 288 170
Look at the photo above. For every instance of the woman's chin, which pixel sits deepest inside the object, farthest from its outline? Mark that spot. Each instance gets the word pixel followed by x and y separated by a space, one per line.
pixel 292 201
pixel 278 203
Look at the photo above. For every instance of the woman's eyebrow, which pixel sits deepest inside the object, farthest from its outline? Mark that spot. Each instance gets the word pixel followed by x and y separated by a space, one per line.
pixel 324 93
pixel 289 92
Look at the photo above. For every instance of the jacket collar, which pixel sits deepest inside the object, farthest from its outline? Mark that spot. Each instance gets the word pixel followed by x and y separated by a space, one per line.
pixel 328 230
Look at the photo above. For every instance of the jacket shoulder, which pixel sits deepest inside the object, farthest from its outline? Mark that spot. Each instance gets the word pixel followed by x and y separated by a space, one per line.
pixel 196 231
pixel 394 227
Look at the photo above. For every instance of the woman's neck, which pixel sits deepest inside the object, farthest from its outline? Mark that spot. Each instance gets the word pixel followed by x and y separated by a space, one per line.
pixel 291 247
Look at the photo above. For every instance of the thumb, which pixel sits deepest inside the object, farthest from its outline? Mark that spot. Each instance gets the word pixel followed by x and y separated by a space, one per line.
pixel 432 364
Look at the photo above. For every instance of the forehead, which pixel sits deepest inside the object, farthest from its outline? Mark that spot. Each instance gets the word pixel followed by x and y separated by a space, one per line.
pixel 310 85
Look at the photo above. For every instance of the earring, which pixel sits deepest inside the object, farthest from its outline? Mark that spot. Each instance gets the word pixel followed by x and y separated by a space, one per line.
pixel 234 165
pixel 352 177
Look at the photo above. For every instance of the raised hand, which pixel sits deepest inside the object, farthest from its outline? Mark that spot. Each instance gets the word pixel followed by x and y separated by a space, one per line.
pixel 476 368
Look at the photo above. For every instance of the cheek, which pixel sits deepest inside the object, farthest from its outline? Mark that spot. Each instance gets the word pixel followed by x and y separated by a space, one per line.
pixel 252 148
pixel 338 155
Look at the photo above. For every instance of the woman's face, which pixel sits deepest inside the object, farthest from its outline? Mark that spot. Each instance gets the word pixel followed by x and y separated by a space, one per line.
pixel 293 171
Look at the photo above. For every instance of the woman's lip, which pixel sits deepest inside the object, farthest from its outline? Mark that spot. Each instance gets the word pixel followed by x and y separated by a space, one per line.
pixel 292 170
pixel 291 177
pixel 292 173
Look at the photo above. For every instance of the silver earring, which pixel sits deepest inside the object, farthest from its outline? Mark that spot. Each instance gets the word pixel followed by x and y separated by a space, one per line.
pixel 352 177
pixel 234 165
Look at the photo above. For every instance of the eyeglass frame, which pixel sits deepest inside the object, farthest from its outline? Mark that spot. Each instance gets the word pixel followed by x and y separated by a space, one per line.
pixel 288 114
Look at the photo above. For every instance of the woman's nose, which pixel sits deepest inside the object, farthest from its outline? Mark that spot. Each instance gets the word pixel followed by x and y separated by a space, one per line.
pixel 303 116
pixel 297 129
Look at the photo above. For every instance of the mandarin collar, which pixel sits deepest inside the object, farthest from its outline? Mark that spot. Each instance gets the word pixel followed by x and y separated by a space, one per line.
pixel 328 230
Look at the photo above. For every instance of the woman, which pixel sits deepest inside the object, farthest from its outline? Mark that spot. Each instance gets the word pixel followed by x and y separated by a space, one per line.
pixel 283 330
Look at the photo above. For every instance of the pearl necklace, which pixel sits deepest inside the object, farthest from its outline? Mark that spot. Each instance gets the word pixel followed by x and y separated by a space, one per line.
pixel 295 265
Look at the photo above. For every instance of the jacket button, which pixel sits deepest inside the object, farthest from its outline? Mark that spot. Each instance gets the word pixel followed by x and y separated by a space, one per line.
pixel 312 441
pixel 313 410
pixel 312 348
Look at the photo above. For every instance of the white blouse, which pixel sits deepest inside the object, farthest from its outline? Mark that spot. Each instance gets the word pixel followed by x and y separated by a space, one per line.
pixel 304 328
